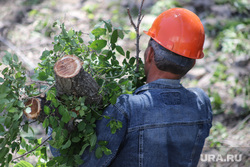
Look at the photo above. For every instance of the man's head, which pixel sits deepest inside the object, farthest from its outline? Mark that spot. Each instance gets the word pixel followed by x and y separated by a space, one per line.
pixel 166 60
pixel 177 38
pixel 160 60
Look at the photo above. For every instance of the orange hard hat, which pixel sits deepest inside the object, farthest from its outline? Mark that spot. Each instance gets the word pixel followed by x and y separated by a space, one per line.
pixel 180 31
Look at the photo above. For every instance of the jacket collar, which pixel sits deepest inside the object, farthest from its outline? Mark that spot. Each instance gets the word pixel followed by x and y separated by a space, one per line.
pixel 159 84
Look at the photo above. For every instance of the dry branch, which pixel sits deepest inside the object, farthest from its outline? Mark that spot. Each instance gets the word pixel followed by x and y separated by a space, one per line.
pixel 137 30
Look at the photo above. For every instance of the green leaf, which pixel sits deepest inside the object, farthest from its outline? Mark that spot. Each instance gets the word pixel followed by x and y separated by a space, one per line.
pixel 18 74
pixel 77 108
pixel 2 129
pixel 114 36
pixel 1 79
pixel 82 112
pixel 7 59
pixel 3 152
pixel 78 159
pixel 120 34
pixel 42 76
pixel 120 50
pixel 3 95
pixel 108 25
pixel 83 148
pixel 75 139
pixel 46 110
pixel 15 58
pixel 26 128
pixel 9 158
pixel 73 115
pixel 98 152
pixel 113 99
pixel 106 150
pixel 21 152
pixel 66 145
pixel 132 61
pixel 46 123
pixel 93 140
pixel 23 164
pixel 80 39
pixel 45 54
pixel 2 119
pixel 66 117
pixel 119 124
pixel 102 142
pixel 98 32
pixel 20 104
pixel 81 126
pixel 13 110
pixel 54 24
pixel 57 47
pixel 70 33
pixel 98 44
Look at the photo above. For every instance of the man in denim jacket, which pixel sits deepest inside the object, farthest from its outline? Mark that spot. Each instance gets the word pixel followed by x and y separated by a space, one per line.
pixel 164 124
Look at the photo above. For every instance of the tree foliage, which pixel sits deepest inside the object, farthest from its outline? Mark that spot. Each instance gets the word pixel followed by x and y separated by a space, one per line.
pixel 101 59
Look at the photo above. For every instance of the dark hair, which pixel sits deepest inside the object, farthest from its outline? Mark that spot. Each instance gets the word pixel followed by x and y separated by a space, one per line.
pixel 169 61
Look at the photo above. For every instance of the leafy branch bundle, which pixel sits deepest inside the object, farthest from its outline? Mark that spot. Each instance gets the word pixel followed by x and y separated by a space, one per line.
pixel 100 60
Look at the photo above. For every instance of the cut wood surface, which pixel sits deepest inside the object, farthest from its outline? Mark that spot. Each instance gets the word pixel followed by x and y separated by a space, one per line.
pixel 33 108
pixel 71 79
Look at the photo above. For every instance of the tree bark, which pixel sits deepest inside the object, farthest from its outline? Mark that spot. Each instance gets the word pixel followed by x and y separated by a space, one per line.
pixel 71 79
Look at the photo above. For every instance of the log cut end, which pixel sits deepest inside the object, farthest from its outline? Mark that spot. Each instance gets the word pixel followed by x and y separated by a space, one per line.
pixel 68 66
pixel 33 108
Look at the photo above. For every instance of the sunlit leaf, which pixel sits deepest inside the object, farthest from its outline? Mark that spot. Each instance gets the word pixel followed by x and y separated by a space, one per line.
pixel 98 32
pixel 23 164
pixel 98 44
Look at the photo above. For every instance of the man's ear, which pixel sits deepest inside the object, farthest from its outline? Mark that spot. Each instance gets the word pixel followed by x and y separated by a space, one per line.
pixel 150 54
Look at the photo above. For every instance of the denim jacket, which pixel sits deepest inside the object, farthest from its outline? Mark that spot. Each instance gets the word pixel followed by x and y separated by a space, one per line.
pixel 164 125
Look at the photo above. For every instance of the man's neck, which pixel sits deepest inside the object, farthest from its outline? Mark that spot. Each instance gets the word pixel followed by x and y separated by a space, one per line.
pixel 161 75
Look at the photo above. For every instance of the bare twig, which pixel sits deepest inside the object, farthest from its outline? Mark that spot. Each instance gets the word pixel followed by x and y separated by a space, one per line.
pixel 33 149
pixel 137 30
pixel 131 20
pixel 23 58
pixel 43 93
pixel 29 123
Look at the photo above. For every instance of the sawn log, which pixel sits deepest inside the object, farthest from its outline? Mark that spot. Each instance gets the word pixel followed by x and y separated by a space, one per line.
pixel 71 79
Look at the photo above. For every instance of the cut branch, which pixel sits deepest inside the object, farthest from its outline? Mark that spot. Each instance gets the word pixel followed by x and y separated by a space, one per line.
pixel 137 30
pixel 34 108
pixel 71 79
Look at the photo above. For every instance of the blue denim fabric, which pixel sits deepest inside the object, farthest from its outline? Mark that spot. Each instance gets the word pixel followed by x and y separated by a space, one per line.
pixel 164 125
